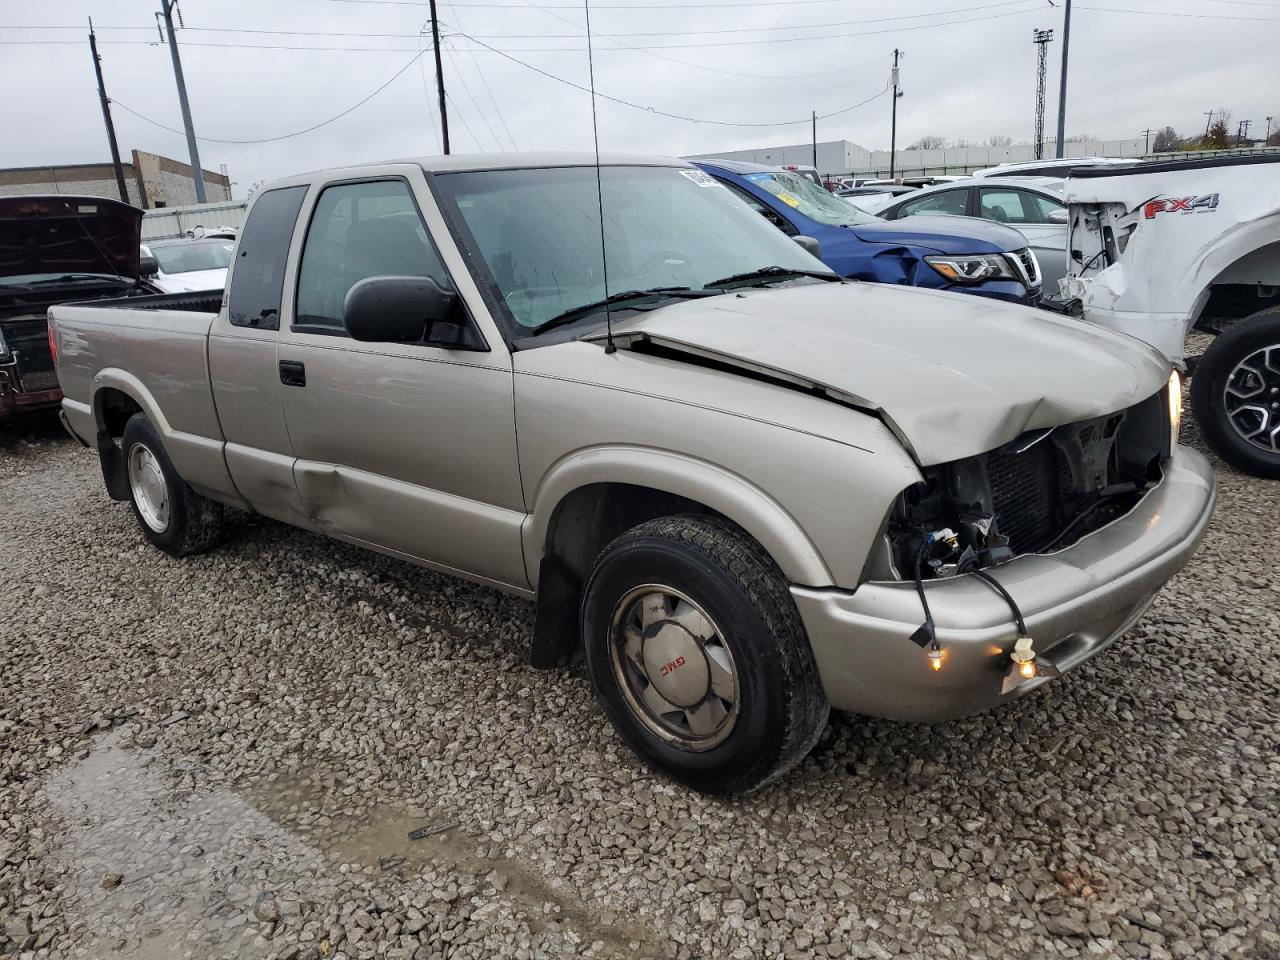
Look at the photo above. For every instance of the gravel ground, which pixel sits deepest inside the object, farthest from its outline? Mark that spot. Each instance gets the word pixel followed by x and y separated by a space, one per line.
pixel 223 757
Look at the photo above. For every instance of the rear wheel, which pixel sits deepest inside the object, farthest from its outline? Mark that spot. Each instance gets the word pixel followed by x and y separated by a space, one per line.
pixel 1235 394
pixel 171 515
pixel 698 655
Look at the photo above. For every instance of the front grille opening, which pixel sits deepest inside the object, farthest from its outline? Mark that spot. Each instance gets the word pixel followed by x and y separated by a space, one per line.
pixel 1040 493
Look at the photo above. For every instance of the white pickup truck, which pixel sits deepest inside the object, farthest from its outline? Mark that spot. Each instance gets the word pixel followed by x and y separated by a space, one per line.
pixel 1156 250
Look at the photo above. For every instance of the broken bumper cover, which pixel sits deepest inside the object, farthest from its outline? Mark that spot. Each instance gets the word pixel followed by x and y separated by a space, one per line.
pixel 1076 603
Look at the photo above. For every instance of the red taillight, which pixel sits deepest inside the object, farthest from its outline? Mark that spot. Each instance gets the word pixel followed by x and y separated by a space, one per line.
pixel 53 344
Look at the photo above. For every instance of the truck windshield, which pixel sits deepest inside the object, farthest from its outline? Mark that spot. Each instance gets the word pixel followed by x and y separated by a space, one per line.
pixel 537 233
pixel 814 201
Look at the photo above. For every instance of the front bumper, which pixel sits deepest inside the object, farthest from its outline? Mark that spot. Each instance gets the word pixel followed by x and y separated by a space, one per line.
pixel 1076 603
pixel 1009 291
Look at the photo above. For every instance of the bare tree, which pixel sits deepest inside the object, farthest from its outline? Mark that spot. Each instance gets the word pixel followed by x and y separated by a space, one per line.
pixel 999 140
pixel 1220 134
pixel 1081 138
pixel 929 142
pixel 963 142
pixel 1166 140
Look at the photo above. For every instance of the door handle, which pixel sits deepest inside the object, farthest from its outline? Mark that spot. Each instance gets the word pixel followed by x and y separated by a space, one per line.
pixel 293 373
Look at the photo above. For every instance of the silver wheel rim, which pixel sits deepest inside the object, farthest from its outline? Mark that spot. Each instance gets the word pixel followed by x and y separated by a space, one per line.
pixel 1251 399
pixel 150 492
pixel 674 668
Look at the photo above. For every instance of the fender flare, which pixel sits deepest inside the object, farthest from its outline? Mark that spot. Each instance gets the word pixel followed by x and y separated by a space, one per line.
pixel 721 490
pixel 1226 249
pixel 113 378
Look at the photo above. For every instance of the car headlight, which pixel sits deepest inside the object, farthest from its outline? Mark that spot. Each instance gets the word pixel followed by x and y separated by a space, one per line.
pixel 974 268
pixel 1175 405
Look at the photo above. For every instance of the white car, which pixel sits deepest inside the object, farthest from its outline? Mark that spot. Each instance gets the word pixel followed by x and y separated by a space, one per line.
pixel 187 266
pixel 1050 166
pixel 1031 205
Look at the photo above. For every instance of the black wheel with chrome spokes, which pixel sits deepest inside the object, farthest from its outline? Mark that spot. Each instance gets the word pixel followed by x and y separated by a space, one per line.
pixel 1235 394
pixel 698 655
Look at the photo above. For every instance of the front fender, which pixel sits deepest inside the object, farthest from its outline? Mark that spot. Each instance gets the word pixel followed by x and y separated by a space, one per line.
pixel 723 491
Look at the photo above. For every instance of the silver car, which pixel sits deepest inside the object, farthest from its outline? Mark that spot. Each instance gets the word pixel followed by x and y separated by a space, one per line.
pixel 1031 205
pixel 744 490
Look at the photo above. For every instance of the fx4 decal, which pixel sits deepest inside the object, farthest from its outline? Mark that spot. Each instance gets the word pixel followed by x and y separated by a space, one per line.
pixel 1179 205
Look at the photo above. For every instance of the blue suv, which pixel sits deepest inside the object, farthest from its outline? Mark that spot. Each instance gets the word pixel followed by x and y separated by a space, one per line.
pixel 942 253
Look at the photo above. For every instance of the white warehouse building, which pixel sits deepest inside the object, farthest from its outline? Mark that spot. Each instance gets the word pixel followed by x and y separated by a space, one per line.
pixel 845 157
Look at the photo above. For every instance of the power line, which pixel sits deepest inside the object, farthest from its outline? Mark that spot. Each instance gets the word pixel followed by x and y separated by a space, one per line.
pixel 483 116
pixel 654 110
pixel 573 36
pixel 492 99
pixel 1174 13
pixel 285 136
pixel 466 126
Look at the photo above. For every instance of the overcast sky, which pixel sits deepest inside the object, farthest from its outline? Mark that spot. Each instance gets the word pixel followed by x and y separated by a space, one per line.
pixel 968 72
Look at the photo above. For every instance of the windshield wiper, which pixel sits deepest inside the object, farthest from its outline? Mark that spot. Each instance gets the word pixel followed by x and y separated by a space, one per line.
pixel 772 273
pixel 78 276
pixel 577 313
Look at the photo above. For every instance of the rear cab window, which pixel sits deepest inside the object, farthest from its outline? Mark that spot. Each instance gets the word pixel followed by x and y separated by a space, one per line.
pixel 262 254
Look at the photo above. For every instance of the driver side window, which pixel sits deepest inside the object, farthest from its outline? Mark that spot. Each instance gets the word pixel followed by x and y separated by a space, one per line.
pixel 759 207
pixel 360 230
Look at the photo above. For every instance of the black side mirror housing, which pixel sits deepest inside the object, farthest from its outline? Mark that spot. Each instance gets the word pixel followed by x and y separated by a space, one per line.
pixel 407 310
pixel 148 266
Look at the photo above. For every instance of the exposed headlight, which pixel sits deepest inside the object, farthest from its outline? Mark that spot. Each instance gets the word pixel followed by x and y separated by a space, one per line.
pixel 1175 405
pixel 974 268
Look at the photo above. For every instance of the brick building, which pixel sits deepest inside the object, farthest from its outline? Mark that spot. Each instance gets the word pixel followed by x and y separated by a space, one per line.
pixel 152 181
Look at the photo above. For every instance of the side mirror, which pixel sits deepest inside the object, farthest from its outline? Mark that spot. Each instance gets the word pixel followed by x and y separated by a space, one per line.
pixel 148 266
pixel 810 244
pixel 404 310
pixel 1059 215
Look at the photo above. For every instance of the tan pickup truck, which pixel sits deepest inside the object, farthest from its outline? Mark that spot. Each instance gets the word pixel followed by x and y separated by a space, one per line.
pixel 743 489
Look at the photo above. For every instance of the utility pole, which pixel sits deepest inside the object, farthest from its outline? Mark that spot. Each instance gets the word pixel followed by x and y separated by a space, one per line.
pixel 1243 133
pixel 1266 141
pixel 1208 122
pixel 197 172
pixel 1147 149
pixel 893 123
pixel 435 43
pixel 1041 39
pixel 815 139
pixel 1062 84
pixel 106 115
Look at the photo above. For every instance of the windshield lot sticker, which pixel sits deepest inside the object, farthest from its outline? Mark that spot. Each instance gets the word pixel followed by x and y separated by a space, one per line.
pixel 1206 204
pixel 701 178
pixel 788 199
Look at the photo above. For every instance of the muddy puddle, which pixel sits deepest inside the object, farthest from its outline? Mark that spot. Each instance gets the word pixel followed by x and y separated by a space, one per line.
pixel 158 869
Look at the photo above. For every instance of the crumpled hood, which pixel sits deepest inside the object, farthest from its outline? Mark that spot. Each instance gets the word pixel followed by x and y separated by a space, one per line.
pixel 67 234
pixel 953 376
pixel 954 235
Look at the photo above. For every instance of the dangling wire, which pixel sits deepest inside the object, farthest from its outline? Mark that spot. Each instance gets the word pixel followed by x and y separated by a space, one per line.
pixel 595 137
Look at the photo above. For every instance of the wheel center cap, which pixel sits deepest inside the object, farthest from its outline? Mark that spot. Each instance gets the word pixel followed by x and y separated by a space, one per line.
pixel 676 665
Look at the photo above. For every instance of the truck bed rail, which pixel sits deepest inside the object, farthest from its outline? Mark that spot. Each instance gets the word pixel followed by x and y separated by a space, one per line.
pixel 200 301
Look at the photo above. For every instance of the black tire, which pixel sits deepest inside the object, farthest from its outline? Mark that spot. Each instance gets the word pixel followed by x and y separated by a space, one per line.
pixel 1237 344
pixel 780 702
pixel 194 523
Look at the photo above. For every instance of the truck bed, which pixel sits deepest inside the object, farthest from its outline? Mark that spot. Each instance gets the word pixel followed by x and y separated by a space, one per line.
pixel 202 301
pixel 149 352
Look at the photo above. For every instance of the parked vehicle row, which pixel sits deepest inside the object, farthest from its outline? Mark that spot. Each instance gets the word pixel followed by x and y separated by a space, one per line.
pixel 931 252
pixel 744 489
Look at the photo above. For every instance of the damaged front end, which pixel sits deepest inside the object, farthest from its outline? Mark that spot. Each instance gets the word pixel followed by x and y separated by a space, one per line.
pixel 1039 493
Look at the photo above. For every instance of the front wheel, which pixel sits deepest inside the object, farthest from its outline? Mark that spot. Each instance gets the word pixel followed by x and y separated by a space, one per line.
pixel 698 655
pixel 1235 395
pixel 171 515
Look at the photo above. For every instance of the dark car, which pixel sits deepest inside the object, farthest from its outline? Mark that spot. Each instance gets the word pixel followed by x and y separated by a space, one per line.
pixel 941 253
pixel 54 250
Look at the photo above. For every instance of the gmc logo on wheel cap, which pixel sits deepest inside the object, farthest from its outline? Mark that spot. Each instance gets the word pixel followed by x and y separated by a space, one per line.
pixel 1180 205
